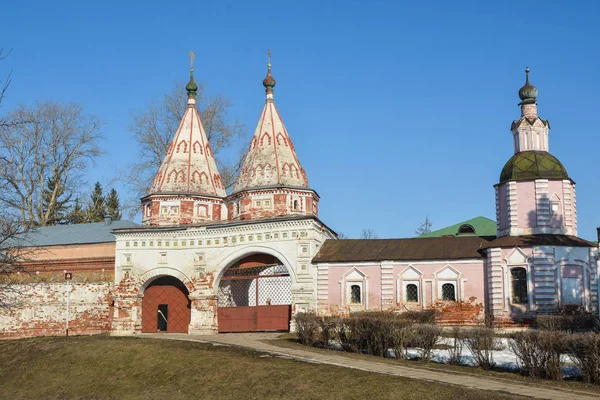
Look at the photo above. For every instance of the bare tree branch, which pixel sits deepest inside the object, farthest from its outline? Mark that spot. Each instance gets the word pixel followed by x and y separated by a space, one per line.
pixel 58 145
pixel 154 127
pixel 368 234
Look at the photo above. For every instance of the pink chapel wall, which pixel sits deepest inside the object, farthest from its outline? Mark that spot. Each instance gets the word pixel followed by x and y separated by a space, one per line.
pixel 466 275
pixel 527 209
pixel 339 277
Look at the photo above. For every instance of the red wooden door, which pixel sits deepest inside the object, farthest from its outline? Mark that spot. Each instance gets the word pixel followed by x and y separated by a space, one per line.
pixel 175 298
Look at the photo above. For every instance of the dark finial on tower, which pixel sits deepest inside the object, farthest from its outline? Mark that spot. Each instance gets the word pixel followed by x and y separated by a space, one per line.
pixel 269 82
pixel 528 93
pixel 191 87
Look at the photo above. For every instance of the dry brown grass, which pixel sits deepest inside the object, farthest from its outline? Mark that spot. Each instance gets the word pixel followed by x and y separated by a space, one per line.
pixel 102 367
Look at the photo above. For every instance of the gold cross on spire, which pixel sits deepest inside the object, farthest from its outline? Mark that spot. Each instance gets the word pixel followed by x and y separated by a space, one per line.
pixel 269 53
pixel 192 56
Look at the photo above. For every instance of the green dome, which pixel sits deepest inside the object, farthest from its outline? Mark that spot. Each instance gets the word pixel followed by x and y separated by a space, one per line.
pixel 533 165
pixel 191 87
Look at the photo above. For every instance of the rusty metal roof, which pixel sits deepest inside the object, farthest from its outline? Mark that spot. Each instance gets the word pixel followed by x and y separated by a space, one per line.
pixel 539 240
pixel 437 248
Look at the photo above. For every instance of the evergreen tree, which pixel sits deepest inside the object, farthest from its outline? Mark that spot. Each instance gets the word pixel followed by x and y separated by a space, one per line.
pixel 113 207
pixel 97 208
pixel 55 202
pixel 77 215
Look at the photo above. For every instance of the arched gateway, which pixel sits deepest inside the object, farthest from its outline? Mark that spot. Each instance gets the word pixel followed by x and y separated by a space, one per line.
pixel 245 257
pixel 254 294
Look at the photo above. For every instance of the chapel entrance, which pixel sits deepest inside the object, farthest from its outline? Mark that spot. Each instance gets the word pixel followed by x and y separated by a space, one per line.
pixel 255 295
pixel 166 306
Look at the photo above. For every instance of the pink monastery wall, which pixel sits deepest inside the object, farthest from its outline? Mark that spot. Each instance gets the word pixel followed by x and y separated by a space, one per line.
pixel 389 282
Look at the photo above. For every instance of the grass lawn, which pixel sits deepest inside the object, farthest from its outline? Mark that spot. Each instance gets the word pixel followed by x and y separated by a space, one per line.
pixel 102 367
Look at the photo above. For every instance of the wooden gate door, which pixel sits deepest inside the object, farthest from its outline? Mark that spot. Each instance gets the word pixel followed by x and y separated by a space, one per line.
pixel 255 299
pixel 166 307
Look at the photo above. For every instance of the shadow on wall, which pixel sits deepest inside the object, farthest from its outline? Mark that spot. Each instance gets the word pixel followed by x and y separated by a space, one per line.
pixel 550 207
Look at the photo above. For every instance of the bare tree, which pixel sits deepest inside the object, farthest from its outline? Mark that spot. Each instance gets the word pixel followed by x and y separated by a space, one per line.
pixel 13 249
pixel 57 145
pixel 154 127
pixel 425 226
pixel 4 87
pixel 15 252
pixel 341 235
pixel 368 234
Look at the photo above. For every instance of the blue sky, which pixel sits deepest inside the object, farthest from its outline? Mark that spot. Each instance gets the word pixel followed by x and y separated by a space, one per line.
pixel 397 109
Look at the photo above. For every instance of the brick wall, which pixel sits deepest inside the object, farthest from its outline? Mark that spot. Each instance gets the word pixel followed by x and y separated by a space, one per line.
pixel 42 310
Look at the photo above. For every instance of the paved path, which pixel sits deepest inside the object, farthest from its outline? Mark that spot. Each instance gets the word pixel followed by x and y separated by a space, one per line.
pixel 259 342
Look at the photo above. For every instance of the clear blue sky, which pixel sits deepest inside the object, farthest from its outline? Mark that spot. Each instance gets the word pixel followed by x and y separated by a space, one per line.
pixel 397 109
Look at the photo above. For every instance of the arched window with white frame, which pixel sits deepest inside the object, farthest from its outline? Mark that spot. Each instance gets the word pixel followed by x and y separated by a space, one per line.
pixel 449 292
pixel 412 293
pixel 354 289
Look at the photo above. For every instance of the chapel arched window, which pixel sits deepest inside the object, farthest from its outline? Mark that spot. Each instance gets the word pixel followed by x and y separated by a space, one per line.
pixel 519 285
pixel 355 295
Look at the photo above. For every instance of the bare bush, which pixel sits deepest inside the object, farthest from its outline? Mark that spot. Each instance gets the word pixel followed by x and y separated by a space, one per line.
pixel 481 342
pixel 425 337
pixel 307 328
pixel 400 336
pixel 458 342
pixel 327 327
pixel 419 317
pixel 538 353
pixel 571 319
pixel 584 349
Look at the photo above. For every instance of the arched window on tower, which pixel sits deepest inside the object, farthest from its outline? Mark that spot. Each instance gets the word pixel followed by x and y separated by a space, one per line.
pixel 519 285
pixel 355 295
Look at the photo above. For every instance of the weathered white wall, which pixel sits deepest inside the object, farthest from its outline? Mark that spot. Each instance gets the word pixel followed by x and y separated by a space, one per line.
pixel 42 310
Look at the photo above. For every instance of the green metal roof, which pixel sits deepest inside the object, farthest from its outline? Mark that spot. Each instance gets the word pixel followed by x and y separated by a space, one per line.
pixel 481 227
pixel 533 164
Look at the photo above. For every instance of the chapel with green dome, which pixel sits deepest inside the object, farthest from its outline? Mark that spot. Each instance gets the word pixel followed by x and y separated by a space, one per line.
pixel 535 194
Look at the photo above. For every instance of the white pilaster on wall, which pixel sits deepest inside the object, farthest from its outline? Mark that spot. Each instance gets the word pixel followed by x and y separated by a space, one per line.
pixel 387 285
pixel 495 282
pixel 594 276
pixel 574 205
pixel 497 197
pixel 322 287
pixel 512 207
pixel 542 202
pixel 568 203
pixel 545 280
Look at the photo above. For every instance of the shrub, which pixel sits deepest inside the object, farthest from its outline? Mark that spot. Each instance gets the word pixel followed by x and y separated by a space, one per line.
pixel 346 334
pixel 328 327
pixel 400 336
pixel 425 337
pixel 584 349
pixel 553 323
pixel 455 352
pixel 418 317
pixel 481 342
pixel 538 353
pixel 571 319
pixel 307 328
